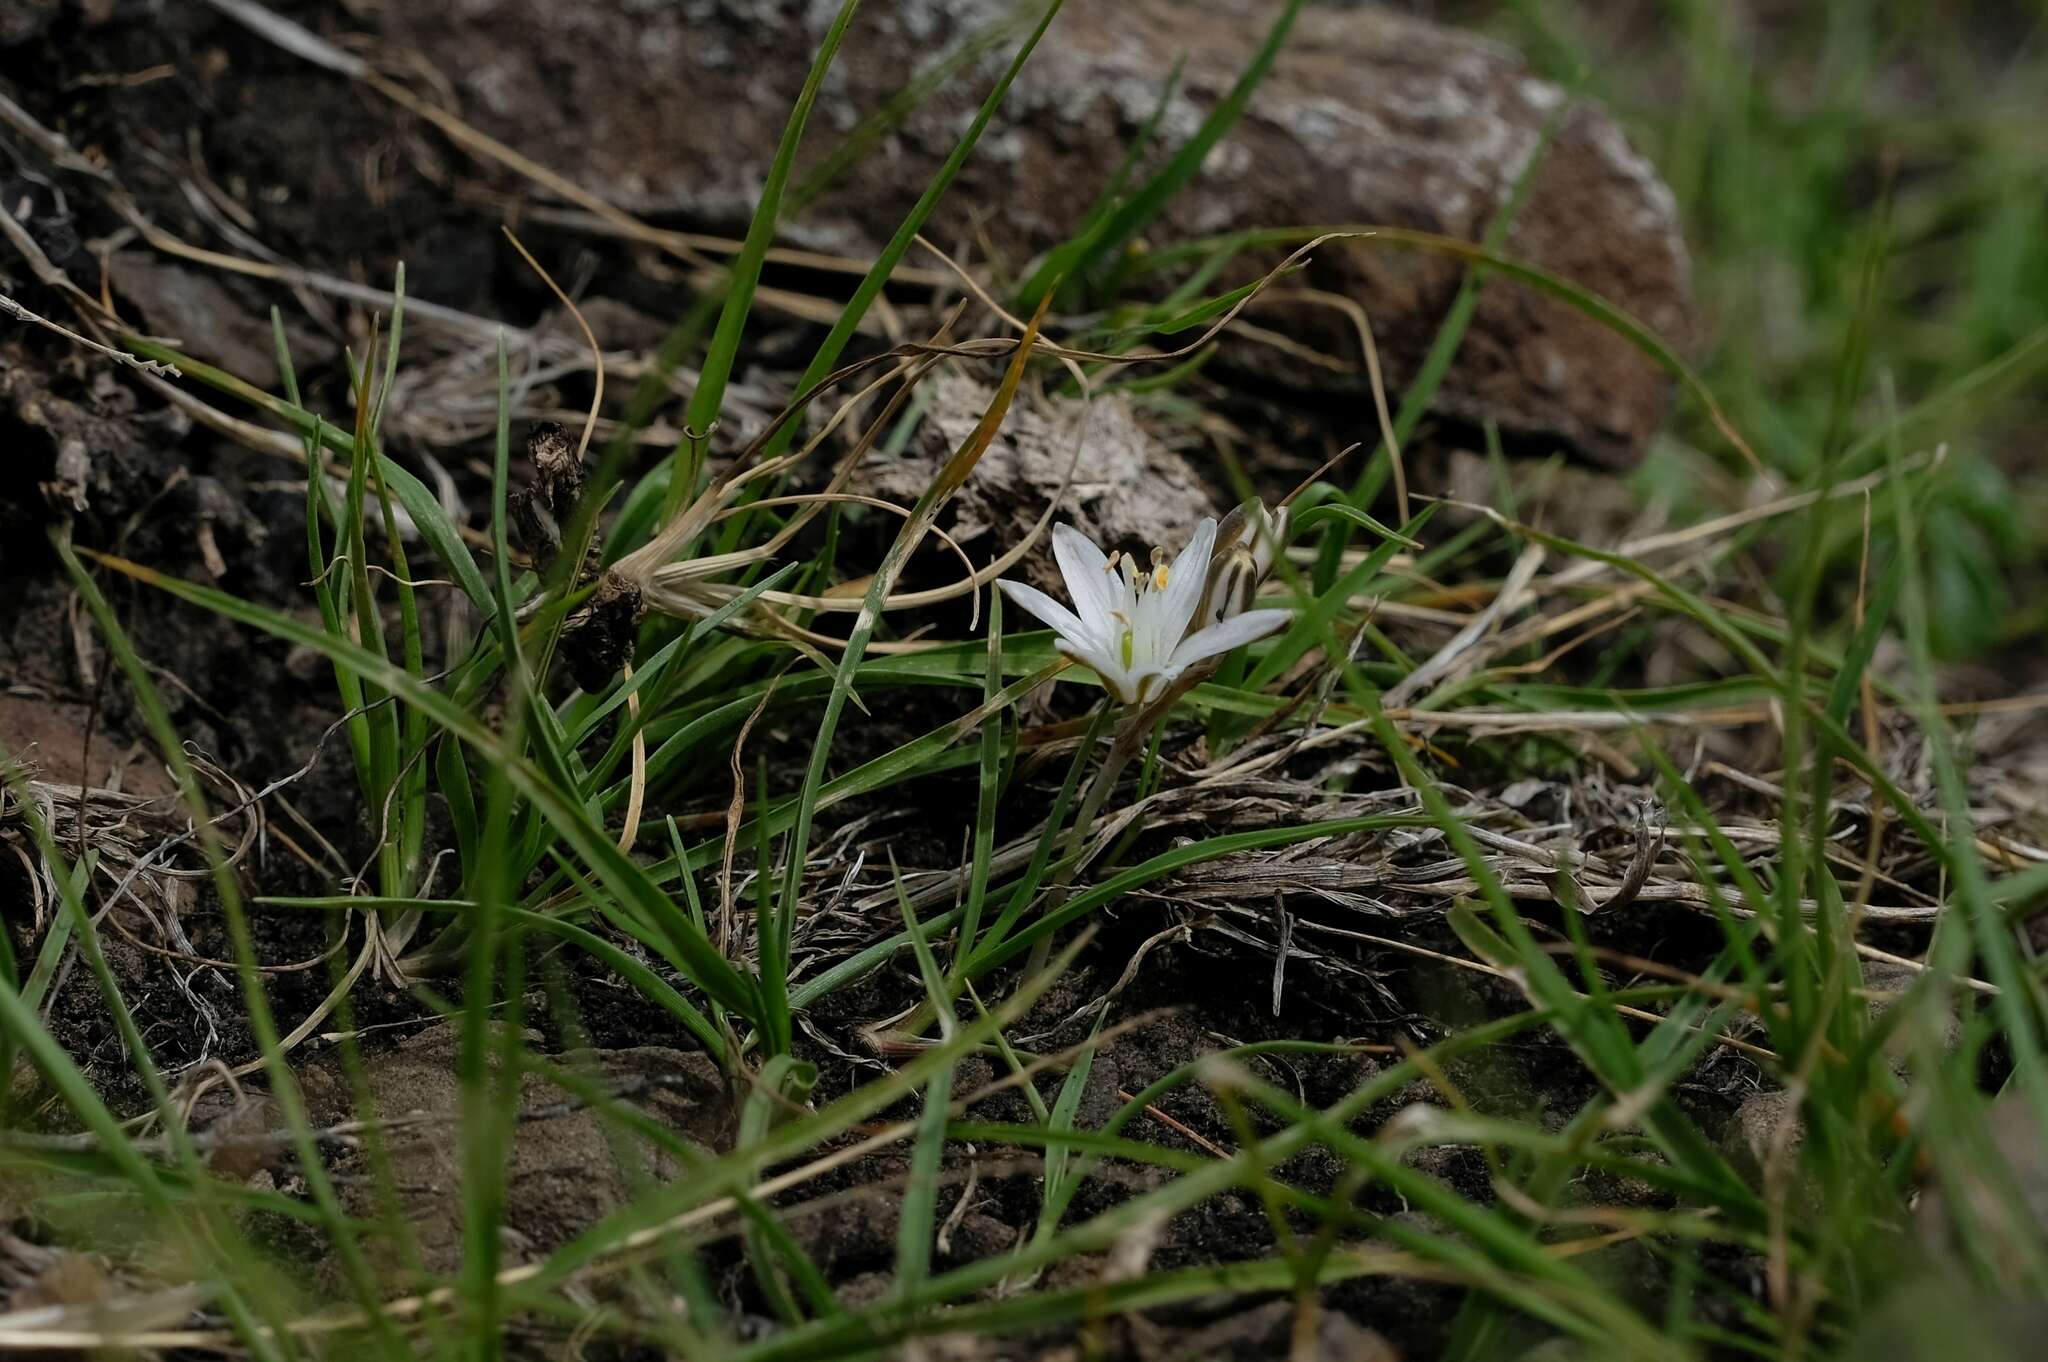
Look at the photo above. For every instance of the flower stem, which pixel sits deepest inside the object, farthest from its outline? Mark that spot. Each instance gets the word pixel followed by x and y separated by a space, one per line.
pixel 1138 720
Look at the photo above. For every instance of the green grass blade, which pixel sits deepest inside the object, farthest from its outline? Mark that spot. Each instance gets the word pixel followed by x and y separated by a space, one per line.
pixel 918 1226
pixel 706 401
pixel 870 286
pixel 1108 233
pixel 564 812
pixel 988 786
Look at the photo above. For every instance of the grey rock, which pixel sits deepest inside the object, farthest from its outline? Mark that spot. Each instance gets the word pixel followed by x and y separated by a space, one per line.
pixel 1555 1350
pixel 2002 1198
pixel 1763 1122
pixel 1888 984
pixel 1367 117
pixel 567 1167
pixel 1271 1331
pixel 204 318
pixel 1129 491
pixel 1943 1318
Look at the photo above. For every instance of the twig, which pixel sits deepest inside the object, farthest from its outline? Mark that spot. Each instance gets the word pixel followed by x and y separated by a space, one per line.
pixel 147 366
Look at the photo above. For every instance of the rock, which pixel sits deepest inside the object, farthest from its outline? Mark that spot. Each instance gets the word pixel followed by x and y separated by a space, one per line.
pixel 1129 490
pixel 568 1166
pixel 1943 1317
pixel 1555 1350
pixel 1750 1143
pixel 1269 1331
pixel 864 1289
pixel 33 1277
pixel 858 1234
pixel 1888 984
pixel 47 739
pixel 1940 1306
pixel 2003 1202
pixel 977 1236
pixel 237 1130
pixel 1578 501
pixel 199 315
pixel 1367 117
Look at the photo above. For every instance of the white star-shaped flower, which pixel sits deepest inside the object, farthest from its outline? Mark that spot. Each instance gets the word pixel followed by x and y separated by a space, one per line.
pixel 1130 625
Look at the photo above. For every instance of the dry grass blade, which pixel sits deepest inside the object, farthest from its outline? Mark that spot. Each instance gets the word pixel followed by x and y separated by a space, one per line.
pixel 1465 651
pixel 151 367
pixel 596 350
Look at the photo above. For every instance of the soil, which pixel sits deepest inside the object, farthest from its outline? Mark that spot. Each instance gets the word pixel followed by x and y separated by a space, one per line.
pixel 226 141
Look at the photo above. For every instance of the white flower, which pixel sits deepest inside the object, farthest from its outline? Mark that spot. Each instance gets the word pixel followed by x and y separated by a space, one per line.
pixel 1130 625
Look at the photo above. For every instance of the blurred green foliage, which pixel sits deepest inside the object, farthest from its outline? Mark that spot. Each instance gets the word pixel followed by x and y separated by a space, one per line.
pixel 1790 132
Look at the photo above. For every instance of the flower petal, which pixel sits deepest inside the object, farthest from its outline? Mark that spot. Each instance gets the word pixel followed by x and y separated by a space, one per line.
pixel 1049 611
pixel 1184 582
pixel 1107 670
pixel 1231 633
pixel 1153 682
pixel 1085 567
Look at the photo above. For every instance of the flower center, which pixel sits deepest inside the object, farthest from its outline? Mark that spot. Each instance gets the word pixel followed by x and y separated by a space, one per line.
pixel 1127 644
